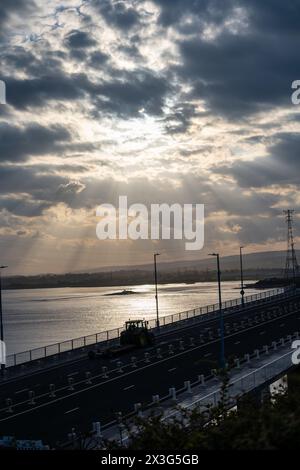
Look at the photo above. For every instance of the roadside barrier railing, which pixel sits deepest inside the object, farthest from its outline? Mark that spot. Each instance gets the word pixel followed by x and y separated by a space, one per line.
pixel 245 375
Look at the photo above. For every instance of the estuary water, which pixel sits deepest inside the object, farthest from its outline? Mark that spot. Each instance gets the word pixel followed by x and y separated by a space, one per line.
pixel 38 317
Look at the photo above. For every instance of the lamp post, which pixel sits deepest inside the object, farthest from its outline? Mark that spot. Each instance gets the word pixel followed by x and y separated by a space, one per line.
pixel 156 295
pixel 1 327
pixel 222 352
pixel 242 276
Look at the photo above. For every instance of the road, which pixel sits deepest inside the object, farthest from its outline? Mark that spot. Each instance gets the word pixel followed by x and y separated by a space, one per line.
pixel 80 398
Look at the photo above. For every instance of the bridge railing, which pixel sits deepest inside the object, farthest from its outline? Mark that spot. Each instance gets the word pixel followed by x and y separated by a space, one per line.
pixel 206 313
pixel 205 392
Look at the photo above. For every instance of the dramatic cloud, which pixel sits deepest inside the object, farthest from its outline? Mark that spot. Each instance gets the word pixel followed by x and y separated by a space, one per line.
pixel 280 166
pixel 160 100
pixel 135 91
pixel 79 39
pixel 237 78
pixel 17 144
pixel 117 14
pixel 33 92
pixel 15 7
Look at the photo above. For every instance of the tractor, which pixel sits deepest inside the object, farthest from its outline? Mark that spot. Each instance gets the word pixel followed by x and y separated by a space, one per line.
pixel 136 333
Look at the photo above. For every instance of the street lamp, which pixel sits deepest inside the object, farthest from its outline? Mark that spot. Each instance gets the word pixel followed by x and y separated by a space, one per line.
pixel 242 276
pixel 222 352
pixel 156 296
pixel 1 327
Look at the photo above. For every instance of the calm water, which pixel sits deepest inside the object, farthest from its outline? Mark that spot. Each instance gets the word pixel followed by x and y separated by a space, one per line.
pixel 37 317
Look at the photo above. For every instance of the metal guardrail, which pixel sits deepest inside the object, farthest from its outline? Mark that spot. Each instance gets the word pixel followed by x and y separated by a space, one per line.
pixel 245 383
pixel 206 312
pixel 192 394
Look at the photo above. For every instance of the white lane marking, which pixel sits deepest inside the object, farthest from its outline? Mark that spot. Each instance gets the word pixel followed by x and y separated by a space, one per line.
pixel 237 342
pixel 131 372
pixel 73 373
pixel 207 354
pixel 21 391
pixel 171 370
pixel 262 332
pixel 71 411
pixel 129 387
pixel 282 324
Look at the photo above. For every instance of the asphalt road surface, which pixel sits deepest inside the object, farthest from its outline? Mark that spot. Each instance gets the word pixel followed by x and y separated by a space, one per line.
pixel 84 393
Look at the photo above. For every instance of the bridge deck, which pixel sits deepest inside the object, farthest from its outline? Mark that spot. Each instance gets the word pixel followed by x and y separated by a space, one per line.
pixel 84 394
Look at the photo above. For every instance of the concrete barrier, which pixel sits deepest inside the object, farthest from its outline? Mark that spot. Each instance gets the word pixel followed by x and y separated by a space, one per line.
pixel 52 391
pixel 187 385
pixel 88 380
pixel 147 357
pixel 172 393
pixel 201 379
pixel 133 362
pixel 71 383
pixel 8 403
pixel 31 396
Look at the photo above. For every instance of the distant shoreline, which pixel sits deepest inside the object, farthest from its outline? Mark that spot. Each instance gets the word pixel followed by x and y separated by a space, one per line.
pixel 136 282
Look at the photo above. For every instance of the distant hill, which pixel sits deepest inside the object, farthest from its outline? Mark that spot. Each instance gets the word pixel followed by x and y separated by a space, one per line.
pixel 261 260
pixel 257 266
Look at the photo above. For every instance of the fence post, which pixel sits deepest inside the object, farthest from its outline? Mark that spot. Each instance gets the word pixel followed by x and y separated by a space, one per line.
pixel 9 405
pixel 201 379
pixel 172 393
pixel 187 385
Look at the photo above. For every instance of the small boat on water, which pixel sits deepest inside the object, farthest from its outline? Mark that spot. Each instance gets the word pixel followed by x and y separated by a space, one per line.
pixel 123 292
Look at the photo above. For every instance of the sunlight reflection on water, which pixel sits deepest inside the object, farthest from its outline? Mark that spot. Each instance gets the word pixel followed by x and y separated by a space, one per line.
pixel 37 317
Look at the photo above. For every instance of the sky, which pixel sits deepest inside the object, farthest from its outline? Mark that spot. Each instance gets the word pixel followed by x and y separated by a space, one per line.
pixel 164 101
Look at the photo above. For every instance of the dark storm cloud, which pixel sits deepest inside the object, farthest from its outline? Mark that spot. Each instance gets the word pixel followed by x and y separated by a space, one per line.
pixel 30 190
pixel 97 59
pixel 267 15
pixel 280 166
pixel 19 179
pixel 119 14
pixel 23 207
pixel 124 96
pixel 19 59
pixel 132 92
pixel 274 15
pixel 174 11
pixel 79 39
pixel 9 7
pixel 17 144
pixel 237 73
pixel 237 76
pixel 31 92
